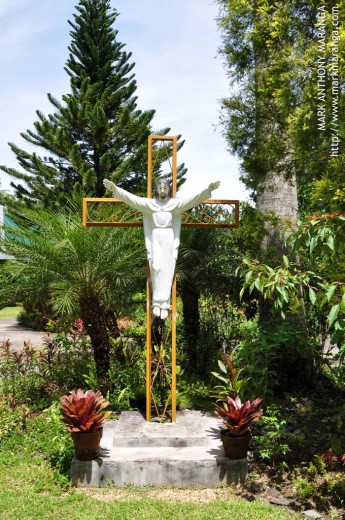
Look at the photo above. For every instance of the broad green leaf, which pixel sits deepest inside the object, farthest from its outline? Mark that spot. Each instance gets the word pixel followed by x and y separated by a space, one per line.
pixel 283 293
pixel 312 295
pixel 248 276
pixel 259 284
pixel 121 394
pixel 330 292
pixel 333 314
pixel 323 233
pixel 312 244
pixel 330 242
pixel 222 366
pixel 285 261
pixel 221 378
pixel 342 303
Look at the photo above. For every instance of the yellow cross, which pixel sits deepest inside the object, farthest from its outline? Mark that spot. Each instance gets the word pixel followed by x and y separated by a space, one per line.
pixel 97 212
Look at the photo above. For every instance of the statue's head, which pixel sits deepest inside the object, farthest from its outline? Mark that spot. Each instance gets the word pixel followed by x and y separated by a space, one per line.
pixel 163 189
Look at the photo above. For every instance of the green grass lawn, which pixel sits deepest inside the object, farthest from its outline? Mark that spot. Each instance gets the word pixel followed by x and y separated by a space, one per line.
pixel 32 448
pixel 9 312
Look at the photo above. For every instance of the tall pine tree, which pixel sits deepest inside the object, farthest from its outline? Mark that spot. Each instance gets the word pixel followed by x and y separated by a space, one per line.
pixel 97 131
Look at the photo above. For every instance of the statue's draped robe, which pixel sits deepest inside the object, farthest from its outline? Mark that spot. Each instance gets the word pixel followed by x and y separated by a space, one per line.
pixel 162 226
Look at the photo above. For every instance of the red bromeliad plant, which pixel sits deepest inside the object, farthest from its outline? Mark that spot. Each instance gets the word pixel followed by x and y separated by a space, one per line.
pixel 84 412
pixel 238 417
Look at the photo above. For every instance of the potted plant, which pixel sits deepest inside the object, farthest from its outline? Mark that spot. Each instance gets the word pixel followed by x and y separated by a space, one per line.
pixel 237 417
pixel 84 416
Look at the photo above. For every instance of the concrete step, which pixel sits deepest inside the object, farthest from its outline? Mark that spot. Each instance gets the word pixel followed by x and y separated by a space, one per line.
pixel 185 453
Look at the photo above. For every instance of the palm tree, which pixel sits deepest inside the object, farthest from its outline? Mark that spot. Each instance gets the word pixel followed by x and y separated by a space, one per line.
pixel 83 272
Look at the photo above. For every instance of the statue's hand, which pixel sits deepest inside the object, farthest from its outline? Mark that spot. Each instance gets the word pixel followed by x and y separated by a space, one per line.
pixel 110 186
pixel 214 185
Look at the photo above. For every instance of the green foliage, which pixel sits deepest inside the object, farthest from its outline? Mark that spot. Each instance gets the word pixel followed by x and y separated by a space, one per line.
pixel 82 273
pixel 318 464
pixel 58 446
pixel 36 377
pixel 272 54
pixel 230 376
pixel 127 373
pixel 270 444
pixel 192 393
pixel 318 244
pixel 336 487
pixel 280 284
pixel 315 468
pixel 305 488
pixel 257 355
pixel 33 319
pixel 221 324
pixel 35 436
pixel 12 418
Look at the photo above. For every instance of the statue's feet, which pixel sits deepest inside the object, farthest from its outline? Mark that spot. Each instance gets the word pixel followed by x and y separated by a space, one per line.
pixel 156 311
pixel 160 313
pixel 164 314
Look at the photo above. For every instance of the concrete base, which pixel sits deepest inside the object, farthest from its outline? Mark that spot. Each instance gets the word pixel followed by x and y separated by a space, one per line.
pixel 185 453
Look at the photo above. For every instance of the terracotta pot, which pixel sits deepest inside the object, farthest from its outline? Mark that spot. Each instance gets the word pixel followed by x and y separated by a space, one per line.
pixel 235 447
pixel 86 444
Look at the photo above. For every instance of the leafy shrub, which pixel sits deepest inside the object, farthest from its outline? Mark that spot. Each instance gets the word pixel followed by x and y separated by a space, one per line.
pixel 270 443
pixel 263 351
pixel 54 440
pixel 305 489
pixel 336 488
pixel 12 419
pixel 192 394
pixel 37 377
pixel 127 375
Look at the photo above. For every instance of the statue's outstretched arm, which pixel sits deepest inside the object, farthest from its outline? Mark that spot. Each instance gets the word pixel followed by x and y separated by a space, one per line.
pixel 133 201
pixel 193 200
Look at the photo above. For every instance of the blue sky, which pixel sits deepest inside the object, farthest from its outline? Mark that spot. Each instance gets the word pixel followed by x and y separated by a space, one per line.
pixel 178 73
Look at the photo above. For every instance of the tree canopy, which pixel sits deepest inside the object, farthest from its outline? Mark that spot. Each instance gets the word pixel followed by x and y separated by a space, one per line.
pixel 286 64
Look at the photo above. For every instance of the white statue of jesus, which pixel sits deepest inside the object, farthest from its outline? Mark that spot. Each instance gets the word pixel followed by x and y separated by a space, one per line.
pixel 162 218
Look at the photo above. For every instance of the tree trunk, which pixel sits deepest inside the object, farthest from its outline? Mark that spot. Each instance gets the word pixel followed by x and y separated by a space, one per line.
pixel 294 365
pixel 190 300
pixel 277 197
